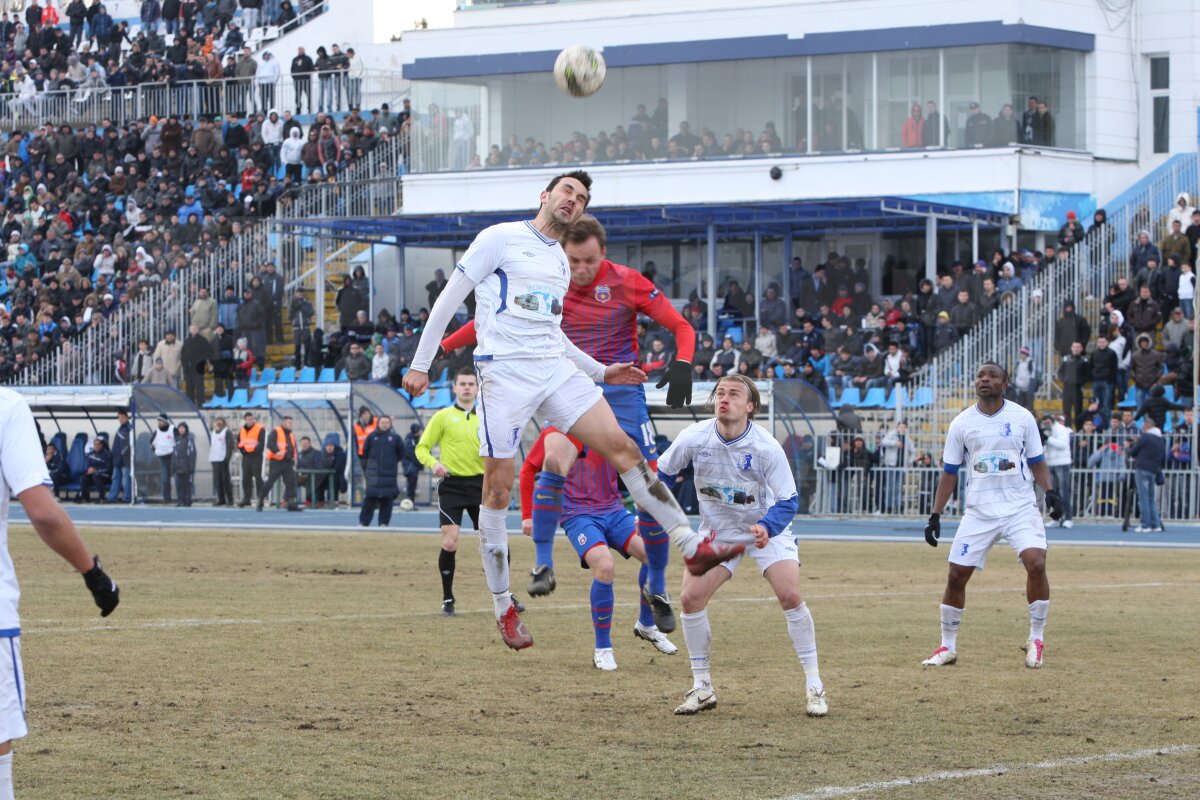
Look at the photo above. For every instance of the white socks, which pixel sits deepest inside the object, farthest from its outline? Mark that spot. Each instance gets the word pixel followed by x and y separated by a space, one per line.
pixel 951 617
pixel 697 635
pixel 653 497
pixel 6 784
pixel 493 550
pixel 804 640
pixel 1038 610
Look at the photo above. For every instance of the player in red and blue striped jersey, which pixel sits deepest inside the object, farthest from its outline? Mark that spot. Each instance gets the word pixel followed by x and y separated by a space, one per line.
pixel 600 313
pixel 595 519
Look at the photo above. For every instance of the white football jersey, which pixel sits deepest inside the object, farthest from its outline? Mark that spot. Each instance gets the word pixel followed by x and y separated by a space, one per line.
pixel 737 481
pixel 21 467
pixel 992 454
pixel 520 278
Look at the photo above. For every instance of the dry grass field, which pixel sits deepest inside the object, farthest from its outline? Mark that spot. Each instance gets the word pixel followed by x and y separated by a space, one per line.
pixel 257 665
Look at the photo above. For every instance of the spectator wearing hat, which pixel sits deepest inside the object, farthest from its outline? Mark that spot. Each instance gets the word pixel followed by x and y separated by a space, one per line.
pixel 1143 251
pixel 1071 233
pixel 1070 328
pixel 170 350
pixel 267 77
pixel 978 128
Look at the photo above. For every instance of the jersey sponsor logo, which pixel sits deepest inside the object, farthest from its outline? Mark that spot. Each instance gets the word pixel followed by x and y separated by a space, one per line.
pixel 745 462
pixel 539 301
pixel 603 294
pixel 994 462
pixel 729 494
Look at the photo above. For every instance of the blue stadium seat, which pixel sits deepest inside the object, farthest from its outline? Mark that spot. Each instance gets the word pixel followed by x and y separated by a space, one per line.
pixel 341 376
pixel 778 372
pixel 240 399
pixel 217 401
pixel 851 396
pixel 1130 400
pixel 890 403
pixel 735 333
pixel 326 375
pixel 76 462
pixel 443 379
pixel 258 399
pixel 307 375
pixel 422 401
pixel 923 398
pixel 441 398
pixel 875 398
pixel 264 377
pixel 286 375
pixel 1169 395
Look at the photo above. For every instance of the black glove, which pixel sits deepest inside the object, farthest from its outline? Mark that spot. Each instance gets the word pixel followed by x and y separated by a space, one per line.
pixel 679 378
pixel 1054 505
pixel 103 588
pixel 933 531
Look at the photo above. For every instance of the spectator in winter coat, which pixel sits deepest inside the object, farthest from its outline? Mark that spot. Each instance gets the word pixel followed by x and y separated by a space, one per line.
pixel 184 465
pixel 1145 367
pixel 1074 372
pixel 291 152
pixel 1104 365
pixel 1057 440
pixel 170 350
pixel 1149 453
pixel 1143 251
pixel 98 474
pixel 1071 233
pixel 1144 314
pixel 1070 328
pixel 1176 330
pixel 382 456
pixel 1182 212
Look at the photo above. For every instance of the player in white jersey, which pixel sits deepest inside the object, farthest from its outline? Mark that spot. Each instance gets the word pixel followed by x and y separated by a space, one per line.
pixel 528 368
pixel 23 475
pixel 747 494
pixel 997 446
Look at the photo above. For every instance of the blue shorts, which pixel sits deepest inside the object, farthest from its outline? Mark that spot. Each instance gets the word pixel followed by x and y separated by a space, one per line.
pixel 629 405
pixel 614 528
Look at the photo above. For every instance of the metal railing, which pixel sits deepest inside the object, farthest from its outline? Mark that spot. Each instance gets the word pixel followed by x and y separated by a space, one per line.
pixel 1027 317
pixel 154 308
pixel 327 91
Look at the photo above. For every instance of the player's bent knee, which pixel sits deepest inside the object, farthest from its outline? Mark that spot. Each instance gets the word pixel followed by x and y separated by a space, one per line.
pixel 959 575
pixel 789 598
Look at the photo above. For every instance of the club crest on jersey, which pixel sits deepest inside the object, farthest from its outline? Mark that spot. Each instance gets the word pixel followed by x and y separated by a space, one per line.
pixel 745 461
pixel 514 433
pixel 582 539
pixel 654 293
pixel 603 294
pixel 1007 429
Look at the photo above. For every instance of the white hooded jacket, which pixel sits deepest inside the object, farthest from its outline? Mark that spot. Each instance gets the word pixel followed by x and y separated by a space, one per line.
pixel 1181 213
pixel 272 132
pixel 290 152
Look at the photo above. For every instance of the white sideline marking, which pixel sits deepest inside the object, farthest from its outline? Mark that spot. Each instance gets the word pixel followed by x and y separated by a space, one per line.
pixel 168 624
pixel 999 769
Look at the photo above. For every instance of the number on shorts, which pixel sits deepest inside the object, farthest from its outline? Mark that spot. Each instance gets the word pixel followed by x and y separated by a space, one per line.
pixel 647 434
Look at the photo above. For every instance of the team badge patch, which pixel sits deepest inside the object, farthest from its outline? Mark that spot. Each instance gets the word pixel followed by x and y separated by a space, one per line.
pixel 513 434
pixel 582 539
pixel 603 294
pixel 745 462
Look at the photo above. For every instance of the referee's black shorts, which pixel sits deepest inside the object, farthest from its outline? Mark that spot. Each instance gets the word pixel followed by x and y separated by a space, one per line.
pixel 458 494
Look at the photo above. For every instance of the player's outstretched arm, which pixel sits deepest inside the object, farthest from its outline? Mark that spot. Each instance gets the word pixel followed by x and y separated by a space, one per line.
pixel 57 530
pixel 416 380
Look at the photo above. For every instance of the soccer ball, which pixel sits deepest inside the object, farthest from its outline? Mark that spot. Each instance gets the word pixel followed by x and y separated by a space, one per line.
pixel 406 505
pixel 579 70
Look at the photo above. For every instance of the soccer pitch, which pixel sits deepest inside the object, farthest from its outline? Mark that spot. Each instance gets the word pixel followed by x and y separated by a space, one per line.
pixel 249 664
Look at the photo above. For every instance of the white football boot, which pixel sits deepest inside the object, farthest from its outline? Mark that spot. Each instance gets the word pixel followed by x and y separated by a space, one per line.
pixel 941 657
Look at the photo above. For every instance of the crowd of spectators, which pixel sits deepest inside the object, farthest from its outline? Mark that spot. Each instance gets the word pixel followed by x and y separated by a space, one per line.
pixel 95 216
pixel 647 136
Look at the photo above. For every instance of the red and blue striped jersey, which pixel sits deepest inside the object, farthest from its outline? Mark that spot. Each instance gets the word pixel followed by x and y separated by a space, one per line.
pixel 601 318
pixel 591 486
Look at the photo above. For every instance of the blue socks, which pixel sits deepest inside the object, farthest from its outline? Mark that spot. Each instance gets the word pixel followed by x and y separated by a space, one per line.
pixel 658 550
pixel 602 612
pixel 547 508
pixel 645 612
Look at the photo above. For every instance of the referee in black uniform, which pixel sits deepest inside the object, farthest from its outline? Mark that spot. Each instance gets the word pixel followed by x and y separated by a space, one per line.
pixel 459 467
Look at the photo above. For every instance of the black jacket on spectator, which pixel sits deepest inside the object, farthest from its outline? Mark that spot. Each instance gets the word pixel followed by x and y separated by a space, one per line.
pixel 121 448
pixel 1157 406
pixel 383 452
pixel 102 462
pixel 250 316
pixel 1149 452
pixel 196 350
pixel 1144 315
pixel 1145 365
pixel 1070 328
pixel 1104 365
pixel 1074 370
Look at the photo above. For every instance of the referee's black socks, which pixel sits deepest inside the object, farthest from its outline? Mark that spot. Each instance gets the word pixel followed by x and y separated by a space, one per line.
pixel 446 567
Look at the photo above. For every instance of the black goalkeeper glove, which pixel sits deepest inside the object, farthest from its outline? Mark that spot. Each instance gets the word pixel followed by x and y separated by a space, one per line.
pixel 678 380
pixel 933 531
pixel 103 588
pixel 1054 505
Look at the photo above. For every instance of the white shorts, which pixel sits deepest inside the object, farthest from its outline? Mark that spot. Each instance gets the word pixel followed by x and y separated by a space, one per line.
pixel 514 390
pixel 779 548
pixel 12 687
pixel 976 535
